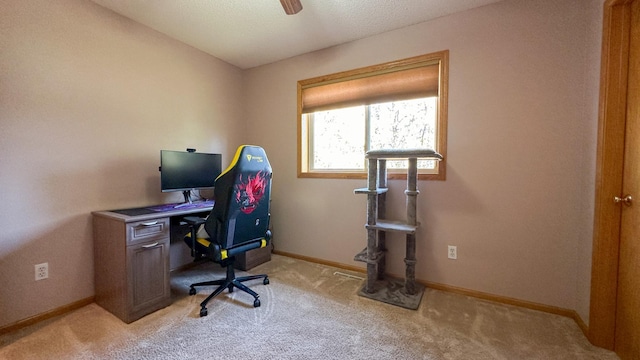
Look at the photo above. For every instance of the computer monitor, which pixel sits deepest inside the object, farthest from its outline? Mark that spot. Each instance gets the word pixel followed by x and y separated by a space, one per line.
pixel 188 170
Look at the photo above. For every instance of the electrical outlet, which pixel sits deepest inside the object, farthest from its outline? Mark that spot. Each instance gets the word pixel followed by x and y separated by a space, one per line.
pixel 42 271
pixel 452 252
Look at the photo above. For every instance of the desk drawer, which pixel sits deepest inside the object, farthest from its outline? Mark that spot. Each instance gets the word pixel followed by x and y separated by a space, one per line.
pixel 147 230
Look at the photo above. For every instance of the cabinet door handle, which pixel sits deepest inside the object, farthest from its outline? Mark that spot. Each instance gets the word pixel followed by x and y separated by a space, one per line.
pixel 150 223
pixel 150 245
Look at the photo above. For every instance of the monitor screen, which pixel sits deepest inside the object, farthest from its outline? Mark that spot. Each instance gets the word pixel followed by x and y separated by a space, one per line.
pixel 181 170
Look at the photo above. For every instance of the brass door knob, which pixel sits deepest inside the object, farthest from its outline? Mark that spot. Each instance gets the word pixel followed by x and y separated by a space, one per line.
pixel 625 200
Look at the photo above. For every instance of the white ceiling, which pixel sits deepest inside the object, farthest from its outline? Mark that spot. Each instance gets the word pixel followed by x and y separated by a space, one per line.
pixel 249 33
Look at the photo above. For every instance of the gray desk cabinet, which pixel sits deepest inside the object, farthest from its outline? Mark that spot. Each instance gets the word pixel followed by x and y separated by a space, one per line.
pixel 131 264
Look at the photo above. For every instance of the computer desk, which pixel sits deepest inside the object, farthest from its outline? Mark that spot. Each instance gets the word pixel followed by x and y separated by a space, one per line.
pixel 131 256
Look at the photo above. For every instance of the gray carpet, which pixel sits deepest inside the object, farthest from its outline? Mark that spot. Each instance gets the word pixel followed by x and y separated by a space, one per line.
pixel 307 312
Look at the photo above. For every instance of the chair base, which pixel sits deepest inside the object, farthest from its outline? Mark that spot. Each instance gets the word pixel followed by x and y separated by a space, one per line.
pixel 230 282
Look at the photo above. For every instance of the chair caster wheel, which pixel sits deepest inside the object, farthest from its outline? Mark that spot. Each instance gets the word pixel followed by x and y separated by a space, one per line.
pixel 203 312
pixel 230 288
pixel 256 303
pixel 266 281
pixel 192 291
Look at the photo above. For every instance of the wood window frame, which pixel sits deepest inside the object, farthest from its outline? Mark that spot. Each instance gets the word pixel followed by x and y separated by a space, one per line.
pixel 441 58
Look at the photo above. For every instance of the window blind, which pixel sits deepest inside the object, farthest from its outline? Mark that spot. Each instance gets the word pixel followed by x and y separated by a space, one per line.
pixel 385 85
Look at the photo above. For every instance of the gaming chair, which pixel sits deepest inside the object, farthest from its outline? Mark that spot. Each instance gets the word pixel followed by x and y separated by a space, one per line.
pixel 238 222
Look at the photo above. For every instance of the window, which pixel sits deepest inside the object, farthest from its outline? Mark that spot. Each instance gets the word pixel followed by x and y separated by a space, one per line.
pixel 396 105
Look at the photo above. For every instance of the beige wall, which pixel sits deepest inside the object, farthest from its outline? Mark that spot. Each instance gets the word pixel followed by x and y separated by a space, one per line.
pixel 591 87
pixel 87 101
pixel 518 199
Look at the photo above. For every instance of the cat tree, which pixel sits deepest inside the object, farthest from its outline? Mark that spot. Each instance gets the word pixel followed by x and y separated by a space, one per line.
pixel 377 286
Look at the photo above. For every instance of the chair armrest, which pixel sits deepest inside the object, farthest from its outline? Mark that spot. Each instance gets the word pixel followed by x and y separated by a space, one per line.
pixel 194 220
pixel 238 249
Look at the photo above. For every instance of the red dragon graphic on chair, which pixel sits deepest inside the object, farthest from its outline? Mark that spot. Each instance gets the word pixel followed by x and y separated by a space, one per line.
pixel 249 192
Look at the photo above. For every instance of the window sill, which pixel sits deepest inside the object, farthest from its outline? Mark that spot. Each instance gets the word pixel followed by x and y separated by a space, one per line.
pixel 390 176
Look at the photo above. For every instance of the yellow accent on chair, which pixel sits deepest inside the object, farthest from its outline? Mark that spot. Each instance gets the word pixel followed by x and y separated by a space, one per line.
pixel 238 222
pixel 204 242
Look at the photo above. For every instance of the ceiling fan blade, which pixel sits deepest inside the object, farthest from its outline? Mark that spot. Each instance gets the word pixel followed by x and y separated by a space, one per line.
pixel 291 7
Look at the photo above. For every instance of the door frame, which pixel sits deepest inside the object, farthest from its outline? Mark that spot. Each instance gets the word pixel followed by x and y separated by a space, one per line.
pixel 609 171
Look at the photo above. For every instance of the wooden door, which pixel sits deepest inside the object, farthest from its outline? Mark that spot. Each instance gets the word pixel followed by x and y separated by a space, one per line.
pixel 627 332
pixel 614 273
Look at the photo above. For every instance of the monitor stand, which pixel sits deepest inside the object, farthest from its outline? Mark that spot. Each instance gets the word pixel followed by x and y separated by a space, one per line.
pixel 187 199
pixel 187 196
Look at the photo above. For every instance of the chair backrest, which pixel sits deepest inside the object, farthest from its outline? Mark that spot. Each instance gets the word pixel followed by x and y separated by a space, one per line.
pixel 242 199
